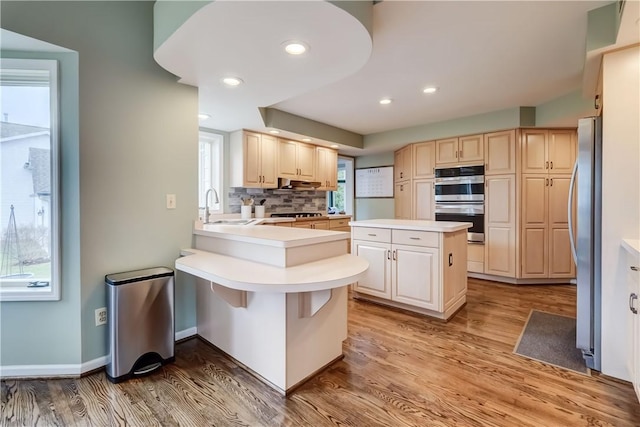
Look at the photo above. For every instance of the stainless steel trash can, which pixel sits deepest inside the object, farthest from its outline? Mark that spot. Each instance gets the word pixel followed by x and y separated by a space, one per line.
pixel 141 321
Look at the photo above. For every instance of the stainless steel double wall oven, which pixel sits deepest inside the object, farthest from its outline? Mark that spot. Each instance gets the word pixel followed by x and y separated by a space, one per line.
pixel 459 196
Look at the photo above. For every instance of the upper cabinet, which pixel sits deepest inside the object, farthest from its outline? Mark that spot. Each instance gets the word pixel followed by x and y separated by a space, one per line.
pixel 296 160
pixel 402 164
pixel 424 159
pixel 548 151
pixel 500 153
pixel 462 150
pixel 327 168
pixel 254 160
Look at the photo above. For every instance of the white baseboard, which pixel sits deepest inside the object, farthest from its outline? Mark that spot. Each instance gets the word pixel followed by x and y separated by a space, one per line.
pixel 68 370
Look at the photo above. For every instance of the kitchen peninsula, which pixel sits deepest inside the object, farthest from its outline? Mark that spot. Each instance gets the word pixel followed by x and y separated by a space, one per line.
pixel 415 265
pixel 273 298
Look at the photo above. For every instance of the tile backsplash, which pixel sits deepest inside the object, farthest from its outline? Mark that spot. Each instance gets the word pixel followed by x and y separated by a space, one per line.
pixel 280 200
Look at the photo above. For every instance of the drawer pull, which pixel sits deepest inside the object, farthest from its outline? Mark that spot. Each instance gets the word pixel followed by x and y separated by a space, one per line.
pixel 632 298
pixel 388 254
pixel 634 268
pixel 414 238
pixel 372 235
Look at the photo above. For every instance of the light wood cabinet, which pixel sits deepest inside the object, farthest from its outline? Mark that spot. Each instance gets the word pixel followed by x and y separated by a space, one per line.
pixel 500 153
pixel 546 251
pixel 253 157
pixel 500 225
pixel 402 164
pixel 322 224
pixel 402 200
pixel 297 160
pixel 423 199
pixel 423 271
pixel 327 168
pixel 548 150
pixel 424 159
pixel 341 224
pixel 462 150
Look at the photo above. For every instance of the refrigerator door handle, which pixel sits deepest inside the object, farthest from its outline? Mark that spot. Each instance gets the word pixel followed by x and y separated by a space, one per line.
pixel 572 185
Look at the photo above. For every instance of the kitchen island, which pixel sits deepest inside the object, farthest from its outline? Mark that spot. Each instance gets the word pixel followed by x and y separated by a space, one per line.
pixel 414 265
pixel 272 298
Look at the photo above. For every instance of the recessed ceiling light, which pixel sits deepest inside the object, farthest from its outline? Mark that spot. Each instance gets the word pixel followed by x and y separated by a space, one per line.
pixel 430 89
pixel 295 47
pixel 335 146
pixel 275 132
pixel 203 116
pixel 232 81
pixel 306 139
pixel 385 101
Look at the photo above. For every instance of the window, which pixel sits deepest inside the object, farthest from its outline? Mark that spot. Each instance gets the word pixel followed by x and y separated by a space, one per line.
pixel 210 171
pixel 337 198
pixel 29 181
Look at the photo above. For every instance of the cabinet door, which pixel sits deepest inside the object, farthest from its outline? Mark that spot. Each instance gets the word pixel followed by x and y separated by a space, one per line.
pixel 416 275
pixel 500 153
pixel 447 151
pixel 402 200
pixel 252 160
pixel 562 151
pixel 287 152
pixel 377 279
pixel 500 230
pixel 402 164
pixel 423 199
pixel 424 159
pixel 331 169
pixel 269 161
pixel 471 149
pixel 322 164
pixel 534 214
pixel 560 258
pixel 306 161
pixel 534 151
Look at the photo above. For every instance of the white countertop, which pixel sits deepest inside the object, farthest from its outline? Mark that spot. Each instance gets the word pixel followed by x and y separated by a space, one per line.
pixel 632 245
pixel 406 224
pixel 282 237
pixel 252 276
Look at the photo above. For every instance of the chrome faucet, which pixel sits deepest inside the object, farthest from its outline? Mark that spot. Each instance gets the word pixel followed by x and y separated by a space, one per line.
pixel 207 214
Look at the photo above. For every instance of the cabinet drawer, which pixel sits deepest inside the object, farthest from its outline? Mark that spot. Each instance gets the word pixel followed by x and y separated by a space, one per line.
pixel 338 223
pixel 371 234
pixel 416 238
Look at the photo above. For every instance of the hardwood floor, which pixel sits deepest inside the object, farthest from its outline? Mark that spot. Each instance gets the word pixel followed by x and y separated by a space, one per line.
pixel 399 369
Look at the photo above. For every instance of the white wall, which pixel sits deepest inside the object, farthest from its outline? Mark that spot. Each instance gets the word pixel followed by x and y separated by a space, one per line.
pixel 620 198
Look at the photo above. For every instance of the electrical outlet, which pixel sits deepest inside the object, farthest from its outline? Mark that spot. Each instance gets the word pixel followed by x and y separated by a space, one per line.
pixel 171 201
pixel 101 316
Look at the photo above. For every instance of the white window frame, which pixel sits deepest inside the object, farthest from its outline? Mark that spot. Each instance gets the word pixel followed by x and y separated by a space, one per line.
pixel 18 290
pixel 215 142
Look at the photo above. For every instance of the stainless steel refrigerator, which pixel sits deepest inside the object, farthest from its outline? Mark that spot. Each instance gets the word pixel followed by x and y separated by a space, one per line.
pixel 587 183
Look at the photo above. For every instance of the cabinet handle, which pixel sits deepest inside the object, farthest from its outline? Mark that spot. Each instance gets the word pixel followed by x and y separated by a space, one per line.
pixel 401 174
pixel 551 181
pixel 486 166
pixel 450 259
pixel 632 298
pixel 461 156
pixel 456 154
pixel 551 163
pixel 259 178
pixel 634 268
pixel 372 235
pixel 394 256
pixel 546 182
pixel 546 165
pixel 388 254
pixel 414 238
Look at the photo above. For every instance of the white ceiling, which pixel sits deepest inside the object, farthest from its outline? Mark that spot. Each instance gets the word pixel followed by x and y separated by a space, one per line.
pixel 483 56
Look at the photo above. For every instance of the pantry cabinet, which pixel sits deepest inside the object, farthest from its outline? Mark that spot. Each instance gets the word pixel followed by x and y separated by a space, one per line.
pixel 461 150
pixel 253 158
pixel 297 160
pixel 500 153
pixel 548 151
pixel 423 199
pixel 500 225
pixel 402 164
pixel 327 168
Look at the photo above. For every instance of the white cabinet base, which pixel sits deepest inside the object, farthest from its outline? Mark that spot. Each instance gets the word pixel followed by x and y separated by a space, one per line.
pixel 446 315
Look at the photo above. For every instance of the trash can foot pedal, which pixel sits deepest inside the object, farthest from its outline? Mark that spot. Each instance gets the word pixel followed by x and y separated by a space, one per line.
pixel 147 369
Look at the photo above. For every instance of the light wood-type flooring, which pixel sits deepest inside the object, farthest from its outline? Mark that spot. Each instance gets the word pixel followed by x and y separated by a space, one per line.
pixel 399 369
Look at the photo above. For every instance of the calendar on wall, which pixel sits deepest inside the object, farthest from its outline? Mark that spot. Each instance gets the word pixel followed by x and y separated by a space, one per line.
pixel 374 182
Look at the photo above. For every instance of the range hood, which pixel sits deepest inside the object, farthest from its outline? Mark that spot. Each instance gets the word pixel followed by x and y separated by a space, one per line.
pixel 297 184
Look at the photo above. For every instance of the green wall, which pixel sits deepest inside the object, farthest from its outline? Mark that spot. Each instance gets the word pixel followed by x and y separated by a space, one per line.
pixel 371 208
pixel 138 133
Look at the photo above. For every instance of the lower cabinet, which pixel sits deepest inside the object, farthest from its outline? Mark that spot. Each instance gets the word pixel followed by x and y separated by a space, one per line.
pixel 423 271
pixel 633 324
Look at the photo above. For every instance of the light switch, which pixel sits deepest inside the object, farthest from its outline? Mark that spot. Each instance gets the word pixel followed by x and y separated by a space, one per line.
pixel 171 201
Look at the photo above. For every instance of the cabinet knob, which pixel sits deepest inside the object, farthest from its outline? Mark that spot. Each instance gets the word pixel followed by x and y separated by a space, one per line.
pixel 632 298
